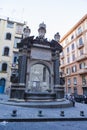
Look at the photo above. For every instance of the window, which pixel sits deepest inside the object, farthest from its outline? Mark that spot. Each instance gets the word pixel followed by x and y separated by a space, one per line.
pixel 6 51
pixel 68 59
pixel 67 49
pixel 15 58
pixel 82 65
pixel 66 41
pixel 86 25
pixel 75 81
pixel 79 30
pixel 68 70
pixel 17 40
pixel 73 57
pixel 19 29
pixel 73 47
pixel 86 35
pixel 75 90
pixel 74 68
pixel 69 81
pixel 4 67
pixel 81 52
pixel 72 37
pixel 10 24
pixel 83 80
pixel 80 41
pixel 62 62
pixel 8 36
pixel 69 90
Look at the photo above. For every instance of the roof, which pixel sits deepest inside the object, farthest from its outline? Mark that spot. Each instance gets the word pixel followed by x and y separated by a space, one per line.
pixel 74 27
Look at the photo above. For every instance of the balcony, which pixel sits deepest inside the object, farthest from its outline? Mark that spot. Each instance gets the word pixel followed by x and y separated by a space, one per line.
pixel 62 66
pixel 82 57
pixel 82 71
pixel 80 46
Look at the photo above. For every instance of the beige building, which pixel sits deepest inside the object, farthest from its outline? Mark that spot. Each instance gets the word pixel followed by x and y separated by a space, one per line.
pixel 74 58
pixel 10 35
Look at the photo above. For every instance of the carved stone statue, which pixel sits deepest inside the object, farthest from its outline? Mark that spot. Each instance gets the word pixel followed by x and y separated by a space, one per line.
pixel 42 30
pixel 26 32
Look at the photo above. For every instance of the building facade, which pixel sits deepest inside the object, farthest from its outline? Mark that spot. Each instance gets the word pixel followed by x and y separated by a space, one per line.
pixel 74 58
pixel 10 35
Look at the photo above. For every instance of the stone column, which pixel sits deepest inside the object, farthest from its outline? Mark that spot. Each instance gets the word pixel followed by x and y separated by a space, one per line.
pixel 22 68
pixel 56 69
pixel 57 87
pixel 18 90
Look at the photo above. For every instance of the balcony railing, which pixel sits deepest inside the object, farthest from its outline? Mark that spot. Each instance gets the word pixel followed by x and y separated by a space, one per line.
pixel 62 66
pixel 80 46
pixel 82 71
pixel 82 57
pixel 68 74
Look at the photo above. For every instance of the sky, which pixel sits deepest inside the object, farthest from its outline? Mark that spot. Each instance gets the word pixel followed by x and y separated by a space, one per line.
pixel 58 15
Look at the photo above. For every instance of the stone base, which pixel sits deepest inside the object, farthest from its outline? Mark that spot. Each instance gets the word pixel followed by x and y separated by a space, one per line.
pixel 40 96
pixel 17 91
pixel 59 90
pixel 59 103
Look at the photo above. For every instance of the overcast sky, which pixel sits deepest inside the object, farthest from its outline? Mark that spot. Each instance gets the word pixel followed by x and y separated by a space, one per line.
pixel 58 15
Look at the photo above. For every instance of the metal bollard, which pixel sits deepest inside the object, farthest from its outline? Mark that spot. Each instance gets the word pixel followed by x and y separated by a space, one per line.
pixel 81 113
pixel 14 113
pixel 62 113
pixel 40 113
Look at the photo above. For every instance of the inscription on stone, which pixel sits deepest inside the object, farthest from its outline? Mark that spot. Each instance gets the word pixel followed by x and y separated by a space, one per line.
pixel 37 53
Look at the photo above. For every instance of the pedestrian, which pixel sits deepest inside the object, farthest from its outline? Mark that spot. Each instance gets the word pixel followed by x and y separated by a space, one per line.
pixel 72 99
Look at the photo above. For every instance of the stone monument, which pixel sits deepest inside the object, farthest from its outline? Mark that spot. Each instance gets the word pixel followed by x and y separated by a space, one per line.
pixel 38 67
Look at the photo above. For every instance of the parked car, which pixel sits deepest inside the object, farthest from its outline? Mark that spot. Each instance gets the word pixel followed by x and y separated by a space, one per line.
pixel 85 99
pixel 80 98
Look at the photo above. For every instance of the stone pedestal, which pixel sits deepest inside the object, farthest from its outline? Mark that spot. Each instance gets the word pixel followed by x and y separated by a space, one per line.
pixel 17 91
pixel 59 90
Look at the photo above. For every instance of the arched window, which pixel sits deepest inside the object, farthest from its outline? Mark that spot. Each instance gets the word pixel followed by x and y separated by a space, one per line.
pixel 6 51
pixel 4 67
pixel 8 36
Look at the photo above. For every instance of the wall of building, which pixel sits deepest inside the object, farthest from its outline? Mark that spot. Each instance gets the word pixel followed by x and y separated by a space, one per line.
pixel 74 58
pixel 15 30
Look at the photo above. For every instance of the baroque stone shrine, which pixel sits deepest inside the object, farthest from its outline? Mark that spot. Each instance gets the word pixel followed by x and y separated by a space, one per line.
pixel 38 76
